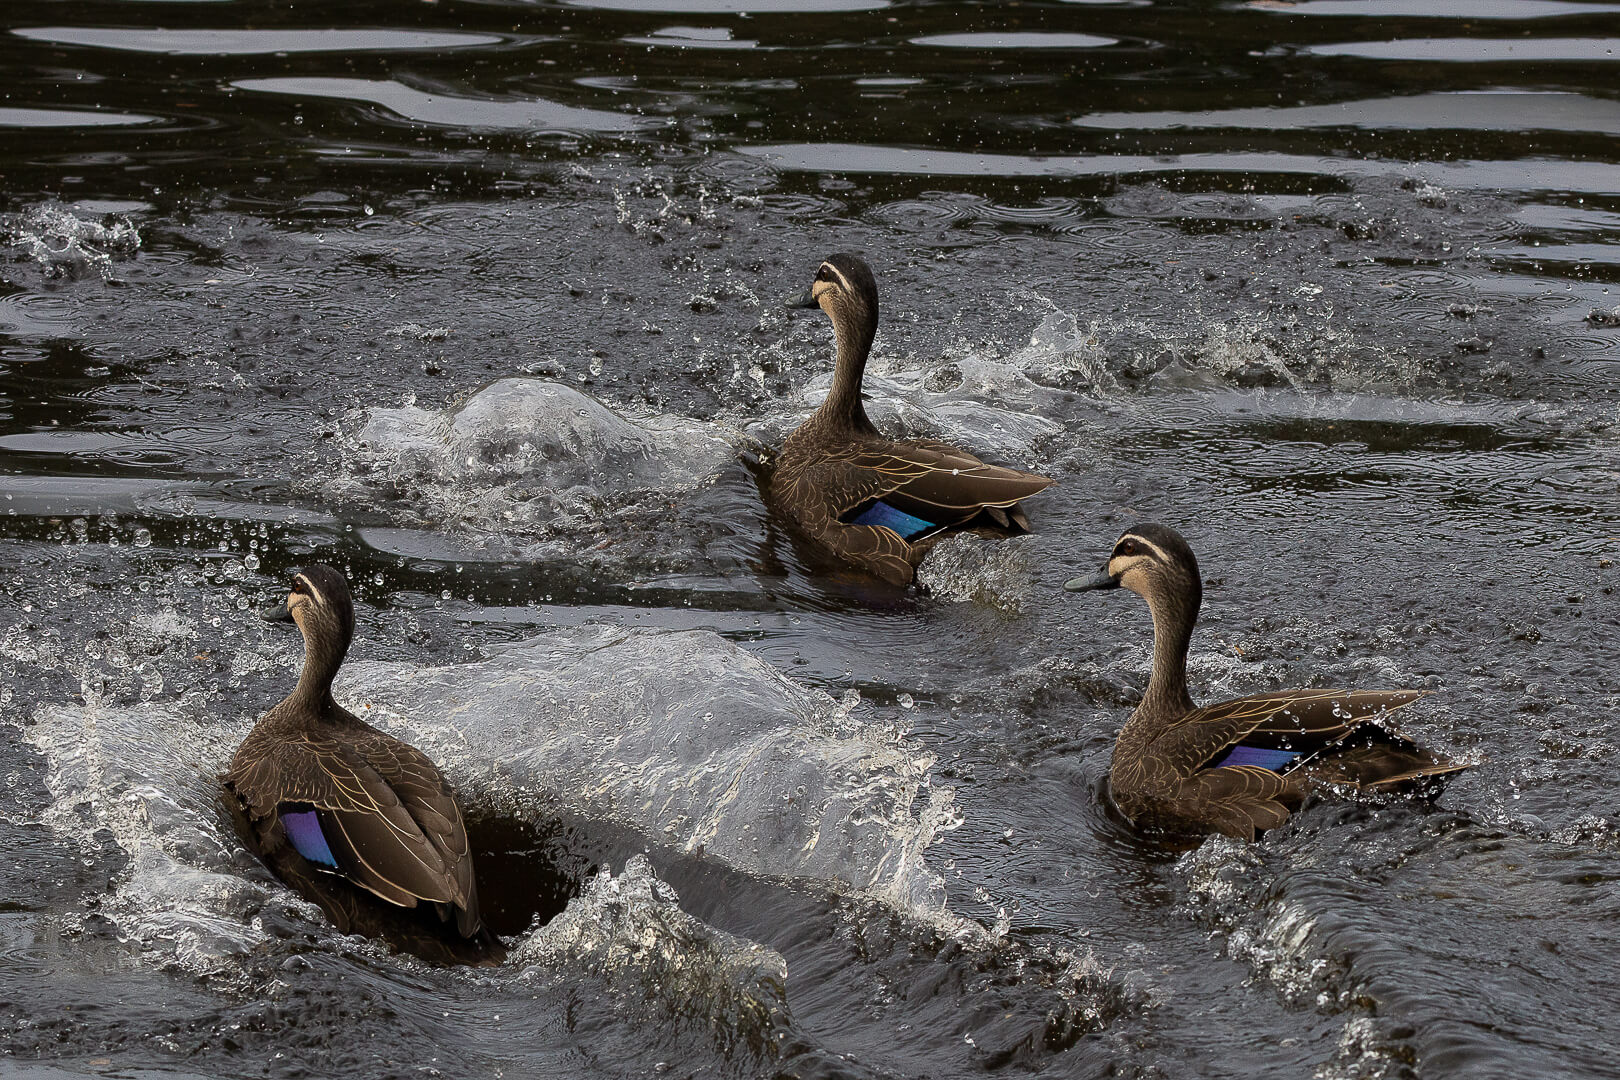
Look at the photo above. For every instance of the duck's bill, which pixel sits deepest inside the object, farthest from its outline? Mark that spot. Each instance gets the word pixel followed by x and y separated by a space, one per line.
pixel 280 613
pixel 1087 584
pixel 804 299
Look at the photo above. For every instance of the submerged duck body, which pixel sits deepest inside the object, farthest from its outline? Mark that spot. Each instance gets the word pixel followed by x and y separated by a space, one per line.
pixel 354 819
pixel 876 502
pixel 1241 766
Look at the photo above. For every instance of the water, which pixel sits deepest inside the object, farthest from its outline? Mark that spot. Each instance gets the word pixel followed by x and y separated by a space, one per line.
pixel 481 302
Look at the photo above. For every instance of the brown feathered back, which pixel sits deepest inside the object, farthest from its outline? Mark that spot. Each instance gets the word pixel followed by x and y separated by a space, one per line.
pixel 876 502
pixel 329 799
pixel 1239 766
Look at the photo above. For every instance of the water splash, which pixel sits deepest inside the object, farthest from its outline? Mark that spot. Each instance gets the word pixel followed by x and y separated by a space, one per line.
pixel 910 404
pixel 685 738
pixel 1226 888
pixel 998 573
pixel 527 455
pixel 1298 347
pixel 147 776
pixel 64 244
pixel 661 964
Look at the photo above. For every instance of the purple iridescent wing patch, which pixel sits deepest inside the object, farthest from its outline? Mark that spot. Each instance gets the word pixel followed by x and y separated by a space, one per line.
pixel 880 513
pixel 304 830
pixel 1275 760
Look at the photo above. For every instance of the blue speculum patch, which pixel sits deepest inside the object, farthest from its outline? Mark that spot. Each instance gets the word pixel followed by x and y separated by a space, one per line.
pixel 880 513
pixel 304 830
pixel 1274 760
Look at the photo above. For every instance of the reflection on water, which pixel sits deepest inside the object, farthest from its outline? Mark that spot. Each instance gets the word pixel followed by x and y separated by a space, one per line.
pixel 251 42
pixel 480 301
pixel 1015 41
pixel 449 110
pixel 29 118
pixel 1476 50
pixel 1477 110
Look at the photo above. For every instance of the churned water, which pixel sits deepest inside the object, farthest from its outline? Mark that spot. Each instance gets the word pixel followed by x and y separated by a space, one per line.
pixel 480 301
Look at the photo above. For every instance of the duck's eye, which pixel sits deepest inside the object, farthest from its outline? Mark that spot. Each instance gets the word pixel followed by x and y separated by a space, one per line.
pixel 298 587
pixel 825 273
pixel 1126 547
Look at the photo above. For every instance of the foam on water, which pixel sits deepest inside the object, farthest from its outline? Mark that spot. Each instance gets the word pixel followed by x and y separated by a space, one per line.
pixel 909 405
pixel 147 776
pixel 189 896
pixel 525 456
pixel 685 738
pixel 630 932
pixel 1227 888
pixel 67 244
pixel 1299 347
pixel 999 573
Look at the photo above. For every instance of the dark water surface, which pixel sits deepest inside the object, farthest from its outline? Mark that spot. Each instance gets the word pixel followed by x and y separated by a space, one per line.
pixel 1333 286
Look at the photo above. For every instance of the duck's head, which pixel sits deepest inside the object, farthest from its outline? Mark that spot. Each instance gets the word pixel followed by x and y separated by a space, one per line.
pixel 1151 560
pixel 320 604
pixel 845 289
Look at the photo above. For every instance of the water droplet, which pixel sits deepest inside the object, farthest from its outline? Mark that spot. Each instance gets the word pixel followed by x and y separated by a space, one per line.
pixel 143 537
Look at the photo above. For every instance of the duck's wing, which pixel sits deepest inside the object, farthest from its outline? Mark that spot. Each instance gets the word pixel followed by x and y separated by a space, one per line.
pixel 372 808
pixel 1377 763
pixel 1272 731
pixel 432 804
pixel 1239 801
pixel 881 550
pixel 938 477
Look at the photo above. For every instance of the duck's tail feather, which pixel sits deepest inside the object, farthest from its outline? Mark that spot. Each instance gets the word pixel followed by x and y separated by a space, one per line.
pixel 1378 762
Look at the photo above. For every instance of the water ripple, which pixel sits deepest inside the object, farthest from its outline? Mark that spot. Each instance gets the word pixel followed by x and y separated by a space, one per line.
pixel 451 111
pixel 1493 110
pixel 1474 50
pixel 253 42
pixel 70 118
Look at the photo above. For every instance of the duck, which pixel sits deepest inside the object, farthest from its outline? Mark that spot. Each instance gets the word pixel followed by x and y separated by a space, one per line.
pixel 1237 767
pixel 359 822
pixel 874 502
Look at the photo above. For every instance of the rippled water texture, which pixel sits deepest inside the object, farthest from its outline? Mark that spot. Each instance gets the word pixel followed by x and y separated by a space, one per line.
pixel 480 300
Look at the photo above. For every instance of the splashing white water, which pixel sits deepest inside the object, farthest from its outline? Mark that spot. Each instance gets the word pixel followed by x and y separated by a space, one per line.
pixel 999 573
pixel 629 932
pixel 527 455
pixel 685 738
pixel 65 244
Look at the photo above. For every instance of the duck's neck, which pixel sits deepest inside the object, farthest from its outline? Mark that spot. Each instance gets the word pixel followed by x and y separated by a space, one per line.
pixel 322 658
pixel 1173 618
pixel 843 409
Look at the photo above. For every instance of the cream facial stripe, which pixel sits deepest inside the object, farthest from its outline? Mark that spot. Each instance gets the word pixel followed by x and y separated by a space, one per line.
pixel 842 280
pixel 1150 545
pixel 1120 565
pixel 314 593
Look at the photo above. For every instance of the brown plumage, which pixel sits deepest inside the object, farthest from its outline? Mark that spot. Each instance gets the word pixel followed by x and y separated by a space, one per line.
pixel 1241 766
pixel 837 467
pixel 354 819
